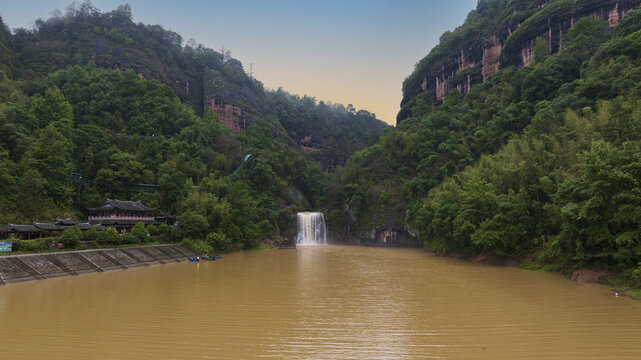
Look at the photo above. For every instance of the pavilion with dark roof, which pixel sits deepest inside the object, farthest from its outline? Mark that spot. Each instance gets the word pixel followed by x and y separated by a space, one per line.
pixel 24 232
pixel 121 214
pixel 38 230
pixel 120 210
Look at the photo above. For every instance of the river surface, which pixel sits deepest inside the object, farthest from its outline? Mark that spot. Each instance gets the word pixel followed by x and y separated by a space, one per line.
pixel 323 302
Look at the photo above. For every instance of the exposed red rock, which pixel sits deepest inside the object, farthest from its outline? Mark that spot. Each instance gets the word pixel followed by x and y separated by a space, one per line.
pixel 464 63
pixel 309 144
pixel 491 55
pixel 483 59
pixel 443 86
pixel 308 150
pixel 527 53
pixel 230 115
pixel 613 16
pixel 424 84
pixel 585 276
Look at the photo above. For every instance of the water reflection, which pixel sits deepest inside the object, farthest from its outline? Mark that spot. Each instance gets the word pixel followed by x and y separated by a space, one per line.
pixel 359 317
pixel 325 302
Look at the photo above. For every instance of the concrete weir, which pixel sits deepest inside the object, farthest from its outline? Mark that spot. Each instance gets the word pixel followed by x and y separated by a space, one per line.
pixel 29 267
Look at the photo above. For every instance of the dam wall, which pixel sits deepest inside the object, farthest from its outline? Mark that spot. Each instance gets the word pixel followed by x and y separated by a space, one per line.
pixel 29 267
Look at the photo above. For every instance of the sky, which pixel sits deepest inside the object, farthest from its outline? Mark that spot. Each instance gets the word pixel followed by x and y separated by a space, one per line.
pixel 342 51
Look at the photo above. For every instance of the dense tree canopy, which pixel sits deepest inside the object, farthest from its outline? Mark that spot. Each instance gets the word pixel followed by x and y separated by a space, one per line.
pixel 541 160
pixel 93 105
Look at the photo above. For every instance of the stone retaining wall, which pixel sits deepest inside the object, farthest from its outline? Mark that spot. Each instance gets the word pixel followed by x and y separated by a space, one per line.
pixel 28 267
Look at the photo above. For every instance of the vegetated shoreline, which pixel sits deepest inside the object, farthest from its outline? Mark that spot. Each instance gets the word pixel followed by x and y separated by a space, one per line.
pixel 579 276
pixel 527 262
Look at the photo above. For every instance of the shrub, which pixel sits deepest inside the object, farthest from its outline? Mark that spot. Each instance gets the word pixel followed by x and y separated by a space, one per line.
pixel 139 232
pixel 91 233
pixel 164 229
pixel 175 234
pixel 71 236
pixel 219 242
pixel 198 246
pixel 31 245
pixel 152 229
pixel 193 224
pixel 109 236
pixel 128 238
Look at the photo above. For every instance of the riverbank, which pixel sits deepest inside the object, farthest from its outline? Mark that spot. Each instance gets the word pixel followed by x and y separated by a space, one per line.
pixel 40 266
pixel 619 285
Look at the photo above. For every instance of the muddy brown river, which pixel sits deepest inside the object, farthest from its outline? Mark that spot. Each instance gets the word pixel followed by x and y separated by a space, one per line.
pixel 319 302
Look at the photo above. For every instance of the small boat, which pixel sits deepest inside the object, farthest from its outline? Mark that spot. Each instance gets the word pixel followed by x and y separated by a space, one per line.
pixel 194 259
pixel 211 257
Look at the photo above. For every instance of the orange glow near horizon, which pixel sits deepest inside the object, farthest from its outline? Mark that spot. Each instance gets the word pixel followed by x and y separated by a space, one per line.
pixel 348 52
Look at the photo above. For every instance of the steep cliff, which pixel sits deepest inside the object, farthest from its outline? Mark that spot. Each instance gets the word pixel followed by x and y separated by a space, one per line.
pixel 499 34
pixel 238 100
pixel 113 40
pixel 201 77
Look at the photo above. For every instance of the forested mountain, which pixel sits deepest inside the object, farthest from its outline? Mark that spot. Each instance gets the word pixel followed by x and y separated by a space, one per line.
pixel 93 105
pixel 500 34
pixel 518 136
pixel 199 76
pixel 539 160
pixel 330 133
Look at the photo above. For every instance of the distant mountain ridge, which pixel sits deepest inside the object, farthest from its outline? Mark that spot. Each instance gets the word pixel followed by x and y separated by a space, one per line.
pixel 199 76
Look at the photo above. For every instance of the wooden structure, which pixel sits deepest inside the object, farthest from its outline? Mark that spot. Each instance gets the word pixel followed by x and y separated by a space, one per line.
pixel 38 230
pixel 165 218
pixel 22 232
pixel 118 211
pixel 121 215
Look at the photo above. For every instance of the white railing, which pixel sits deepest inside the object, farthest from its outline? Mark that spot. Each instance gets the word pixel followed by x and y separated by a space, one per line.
pixel 125 218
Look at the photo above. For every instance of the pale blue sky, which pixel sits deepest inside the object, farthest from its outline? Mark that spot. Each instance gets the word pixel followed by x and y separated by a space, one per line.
pixel 354 51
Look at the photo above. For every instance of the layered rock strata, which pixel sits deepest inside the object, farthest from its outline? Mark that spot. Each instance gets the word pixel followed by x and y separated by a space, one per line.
pixel 510 44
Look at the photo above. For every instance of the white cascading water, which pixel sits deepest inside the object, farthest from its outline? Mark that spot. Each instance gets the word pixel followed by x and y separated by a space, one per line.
pixel 311 229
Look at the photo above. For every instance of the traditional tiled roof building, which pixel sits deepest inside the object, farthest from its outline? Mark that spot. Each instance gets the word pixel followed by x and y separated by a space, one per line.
pixel 25 232
pixel 118 210
pixel 122 215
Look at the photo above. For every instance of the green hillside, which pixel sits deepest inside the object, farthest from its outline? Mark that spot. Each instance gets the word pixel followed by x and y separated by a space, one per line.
pixel 198 76
pixel 538 162
pixel 500 34
pixel 93 105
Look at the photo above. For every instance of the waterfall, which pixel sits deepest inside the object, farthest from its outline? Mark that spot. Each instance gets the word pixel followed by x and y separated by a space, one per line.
pixel 311 229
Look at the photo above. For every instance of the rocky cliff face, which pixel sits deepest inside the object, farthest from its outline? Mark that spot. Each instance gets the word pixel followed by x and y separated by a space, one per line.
pixel 230 115
pixel 236 103
pixel 109 54
pixel 509 42
pixel 519 47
